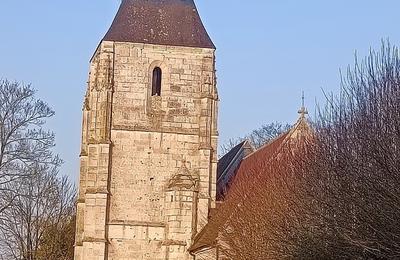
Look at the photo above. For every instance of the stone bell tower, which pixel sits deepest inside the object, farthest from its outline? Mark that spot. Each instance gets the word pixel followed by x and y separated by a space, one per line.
pixel 149 138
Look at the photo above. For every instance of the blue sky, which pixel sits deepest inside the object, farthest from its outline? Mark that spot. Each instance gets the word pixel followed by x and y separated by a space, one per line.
pixel 268 52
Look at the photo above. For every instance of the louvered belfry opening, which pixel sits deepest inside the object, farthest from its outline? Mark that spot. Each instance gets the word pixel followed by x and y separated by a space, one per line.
pixel 156 83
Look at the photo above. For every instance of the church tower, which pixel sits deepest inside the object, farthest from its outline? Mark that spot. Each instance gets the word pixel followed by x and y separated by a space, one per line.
pixel 149 135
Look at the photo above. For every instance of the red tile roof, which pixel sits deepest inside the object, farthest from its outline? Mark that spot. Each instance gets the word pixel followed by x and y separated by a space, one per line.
pixel 161 22
pixel 249 166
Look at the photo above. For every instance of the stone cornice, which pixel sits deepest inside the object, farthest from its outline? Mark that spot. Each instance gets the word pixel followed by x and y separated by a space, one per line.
pixel 94 191
pixel 171 242
pixel 151 129
pixel 94 240
pixel 136 223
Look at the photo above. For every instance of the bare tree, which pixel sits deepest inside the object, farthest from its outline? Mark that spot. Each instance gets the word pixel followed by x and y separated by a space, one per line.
pixel 336 195
pixel 45 203
pixel 35 202
pixel 356 173
pixel 24 143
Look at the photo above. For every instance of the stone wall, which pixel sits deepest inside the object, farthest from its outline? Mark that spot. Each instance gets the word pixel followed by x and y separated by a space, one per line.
pixel 133 144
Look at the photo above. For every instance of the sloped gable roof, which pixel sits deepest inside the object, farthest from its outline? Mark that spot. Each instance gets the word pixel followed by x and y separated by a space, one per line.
pixel 249 165
pixel 225 160
pixel 209 233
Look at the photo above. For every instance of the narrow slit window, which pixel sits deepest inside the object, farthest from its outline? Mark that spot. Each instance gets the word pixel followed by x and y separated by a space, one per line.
pixel 156 83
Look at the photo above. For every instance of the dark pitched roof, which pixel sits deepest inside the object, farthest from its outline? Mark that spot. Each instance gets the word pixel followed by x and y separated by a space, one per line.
pixel 162 22
pixel 228 165
pixel 225 160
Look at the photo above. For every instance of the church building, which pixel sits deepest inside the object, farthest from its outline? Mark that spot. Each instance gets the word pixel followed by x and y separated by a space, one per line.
pixel 148 162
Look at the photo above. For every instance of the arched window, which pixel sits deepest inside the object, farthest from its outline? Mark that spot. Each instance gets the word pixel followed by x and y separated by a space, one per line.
pixel 156 83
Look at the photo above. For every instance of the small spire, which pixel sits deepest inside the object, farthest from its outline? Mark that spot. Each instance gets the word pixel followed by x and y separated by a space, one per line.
pixel 303 110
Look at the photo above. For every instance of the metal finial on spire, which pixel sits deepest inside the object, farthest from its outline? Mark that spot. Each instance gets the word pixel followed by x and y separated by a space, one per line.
pixel 303 110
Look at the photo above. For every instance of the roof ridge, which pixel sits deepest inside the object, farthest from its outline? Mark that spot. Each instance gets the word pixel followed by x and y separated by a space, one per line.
pixel 270 142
